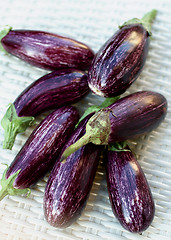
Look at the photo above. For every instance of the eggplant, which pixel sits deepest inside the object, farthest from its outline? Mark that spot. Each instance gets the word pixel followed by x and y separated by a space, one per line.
pixel 120 60
pixel 53 90
pixel 69 183
pixel 129 193
pixel 46 50
pixel 40 152
pixel 127 118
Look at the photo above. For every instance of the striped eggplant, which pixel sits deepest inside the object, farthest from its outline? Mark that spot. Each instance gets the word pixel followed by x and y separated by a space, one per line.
pixel 69 183
pixel 46 50
pixel 120 60
pixel 40 151
pixel 129 193
pixel 127 118
pixel 53 90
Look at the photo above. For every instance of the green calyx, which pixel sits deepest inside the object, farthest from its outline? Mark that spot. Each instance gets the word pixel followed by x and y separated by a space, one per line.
pixel 89 110
pixel 146 20
pixel 96 108
pixel 3 32
pixel 118 147
pixel 97 131
pixel 12 125
pixel 7 186
pixel 97 128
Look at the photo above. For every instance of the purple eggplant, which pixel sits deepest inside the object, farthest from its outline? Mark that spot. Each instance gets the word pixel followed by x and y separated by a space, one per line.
pixel 69 183
pixel 120 60
pixel 129 193
pixel 46 50
pixel 127 118
pixel 40 151
pixel 53 90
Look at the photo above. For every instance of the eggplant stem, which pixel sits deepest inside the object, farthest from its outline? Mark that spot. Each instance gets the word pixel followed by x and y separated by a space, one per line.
pixel 146 20
pixel 12 125
pixel 8 188
pixel 88 137
pixel 3 193
pixel 96 108
pixel 3 32
pixel 97 132
pixel 9 137
pixel 75 146
pixel 149 16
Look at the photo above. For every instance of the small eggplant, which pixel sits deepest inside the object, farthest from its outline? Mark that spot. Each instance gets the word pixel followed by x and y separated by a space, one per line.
pixel 40 151
pixel 53 90
pixel 129 193
pixel 127 118
pixel 46 50
pixel 69 183
pixel 120 60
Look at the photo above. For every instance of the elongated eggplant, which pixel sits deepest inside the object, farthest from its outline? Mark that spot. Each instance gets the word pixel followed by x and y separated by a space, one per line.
pixel 120 60
pixel 53 90
pixel 129 193
pixel 46 50
pixel 127 118
pixel 40 151
pixel 69 183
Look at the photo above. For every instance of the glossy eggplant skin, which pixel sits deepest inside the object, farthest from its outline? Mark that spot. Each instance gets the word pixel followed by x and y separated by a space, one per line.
pixel 119 61
pixel 69 183
pixel 129 193
pixel 47 50
pixel 136 114
pixel 41 150
pixel 53 90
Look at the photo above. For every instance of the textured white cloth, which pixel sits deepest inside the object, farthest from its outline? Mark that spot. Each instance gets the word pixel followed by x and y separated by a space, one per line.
pixel 92 22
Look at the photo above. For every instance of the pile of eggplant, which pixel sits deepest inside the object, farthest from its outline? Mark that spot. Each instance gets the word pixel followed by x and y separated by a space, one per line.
pixel 69 146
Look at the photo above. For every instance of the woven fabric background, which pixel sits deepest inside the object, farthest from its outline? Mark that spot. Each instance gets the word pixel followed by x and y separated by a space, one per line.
pixel 92 22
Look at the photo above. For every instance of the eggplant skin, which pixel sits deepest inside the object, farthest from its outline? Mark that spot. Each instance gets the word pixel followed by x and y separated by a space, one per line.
pixel 119 62
pixel 136 114
pixel 129 193
pixel 53 90
pixel 69 183
pixel 47 50
pixel 41 150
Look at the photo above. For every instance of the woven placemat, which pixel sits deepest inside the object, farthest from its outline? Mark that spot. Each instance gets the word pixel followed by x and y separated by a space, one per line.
pixel 92 22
